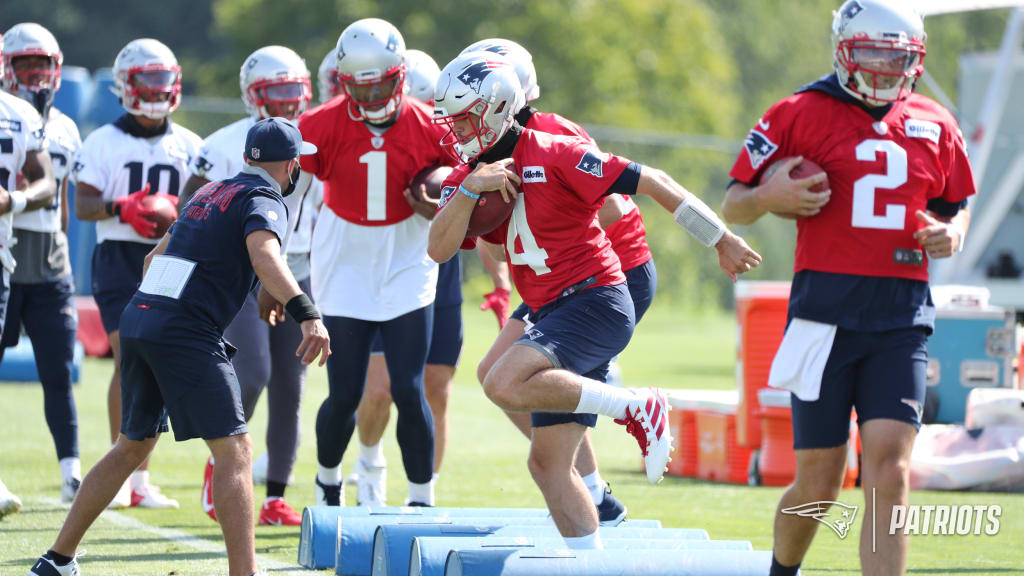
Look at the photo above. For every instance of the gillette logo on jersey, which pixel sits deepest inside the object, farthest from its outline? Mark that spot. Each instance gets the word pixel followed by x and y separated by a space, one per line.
pixel 534 174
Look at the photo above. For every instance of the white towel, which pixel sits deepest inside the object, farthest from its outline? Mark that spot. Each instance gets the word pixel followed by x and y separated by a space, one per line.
pixel 800 362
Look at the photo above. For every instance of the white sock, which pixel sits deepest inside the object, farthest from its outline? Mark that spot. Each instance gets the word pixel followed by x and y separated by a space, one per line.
pixel 596 485
pixel 599 398
pixel 71 468
pixel 140 478
pixel 329 476
pixel 422 493
pixel 588 542
pixel 372 455
pixel 435 477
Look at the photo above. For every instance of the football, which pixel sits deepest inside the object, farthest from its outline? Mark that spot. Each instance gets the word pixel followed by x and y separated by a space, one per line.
pixel 489 213
pixel 802 170
pixel 165 212
pixel 432 178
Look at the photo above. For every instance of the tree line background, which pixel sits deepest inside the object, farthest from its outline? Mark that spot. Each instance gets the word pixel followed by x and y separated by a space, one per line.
pixel 657 68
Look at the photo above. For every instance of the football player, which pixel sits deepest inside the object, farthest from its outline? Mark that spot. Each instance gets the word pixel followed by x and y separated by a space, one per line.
pixel 899 180
pixel 445 342
pixel 370 271
pixel 327 82
pixel 42 289
pixel 620 217
pixel 563 265
pixel 274 81
pixel 140 153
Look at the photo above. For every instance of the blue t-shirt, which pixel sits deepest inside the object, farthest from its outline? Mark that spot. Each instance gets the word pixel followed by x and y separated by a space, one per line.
pixel 211 232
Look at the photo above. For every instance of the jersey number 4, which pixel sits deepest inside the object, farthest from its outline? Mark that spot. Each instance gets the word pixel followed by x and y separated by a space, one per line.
pixel 864 189
pixel 533 255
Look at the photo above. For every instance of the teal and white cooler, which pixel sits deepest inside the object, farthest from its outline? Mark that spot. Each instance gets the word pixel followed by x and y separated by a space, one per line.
pixel 973 346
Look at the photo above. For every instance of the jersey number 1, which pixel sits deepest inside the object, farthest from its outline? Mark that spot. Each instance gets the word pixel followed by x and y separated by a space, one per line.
pixel 864 189
pixel 376 184
pixel 533 255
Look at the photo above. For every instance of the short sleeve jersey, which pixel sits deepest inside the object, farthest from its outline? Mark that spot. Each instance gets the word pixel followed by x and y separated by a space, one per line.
pixel 880 173
pixel 220 156
pixel 63 143
pixel 366 173
pixel 553 240
pixel 21 132
pixel 118 164
pixel 212 232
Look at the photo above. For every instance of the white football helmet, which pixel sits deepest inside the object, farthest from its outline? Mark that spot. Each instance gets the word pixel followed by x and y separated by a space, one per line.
pixel 147 79
pixel 878 49
pixel 421 74
pixel 327 83
pixel 275 82
pixel 371 69
pixel 520 58
pixel 476 97
pixel 37 78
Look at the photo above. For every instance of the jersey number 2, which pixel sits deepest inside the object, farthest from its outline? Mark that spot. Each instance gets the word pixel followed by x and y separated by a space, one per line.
pixel 864 189
pixel 376 184
pixel 533 255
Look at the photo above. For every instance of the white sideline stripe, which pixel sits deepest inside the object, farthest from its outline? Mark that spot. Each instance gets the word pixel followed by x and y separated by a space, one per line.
pixel 182 537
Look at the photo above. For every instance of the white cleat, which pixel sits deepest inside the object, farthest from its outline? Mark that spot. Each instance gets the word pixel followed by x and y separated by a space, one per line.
pixel 9 502
pixel 647 420
pixel 123 498
pixel 328 494
pixel 69 489
pixel 373 484
pixel 149 496
pixel 357 472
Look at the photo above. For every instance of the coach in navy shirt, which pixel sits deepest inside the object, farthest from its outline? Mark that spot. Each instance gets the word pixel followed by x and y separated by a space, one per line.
pixel 174 360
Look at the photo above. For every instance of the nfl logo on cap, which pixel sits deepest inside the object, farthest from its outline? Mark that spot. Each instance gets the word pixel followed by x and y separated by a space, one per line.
pixel 255 153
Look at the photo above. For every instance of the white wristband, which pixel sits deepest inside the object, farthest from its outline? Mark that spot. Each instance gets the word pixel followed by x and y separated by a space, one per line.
pixel 700 221
pixel 18 201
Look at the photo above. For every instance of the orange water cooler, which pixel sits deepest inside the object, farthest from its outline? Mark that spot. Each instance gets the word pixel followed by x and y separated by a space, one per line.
pixel 761 322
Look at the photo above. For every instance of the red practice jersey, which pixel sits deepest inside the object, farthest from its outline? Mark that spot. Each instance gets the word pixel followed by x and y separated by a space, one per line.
pixel 364 174
pixel 628 234
pixel 880 174
pixel 553 239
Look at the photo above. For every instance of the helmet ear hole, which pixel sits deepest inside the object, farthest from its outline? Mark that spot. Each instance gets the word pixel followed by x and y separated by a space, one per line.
pixel 501 107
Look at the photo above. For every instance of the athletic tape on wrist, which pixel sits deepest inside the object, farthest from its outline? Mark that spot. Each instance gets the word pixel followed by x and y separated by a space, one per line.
pixel 700 221
pixel 301 308
pixel 18 201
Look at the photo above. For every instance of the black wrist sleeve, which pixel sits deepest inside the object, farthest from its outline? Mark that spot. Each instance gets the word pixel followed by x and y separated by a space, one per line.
pixel 301 308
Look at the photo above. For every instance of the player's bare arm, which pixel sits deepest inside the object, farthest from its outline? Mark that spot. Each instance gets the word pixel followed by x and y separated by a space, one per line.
pixel 265 254
pixel 41 189
pixel 781 194
pixel 191 185
pixel 157 250
pixel 451 223
pixel 492 256
pixel 940 236
pixel 89 204
pixel 65 215
pixel 734 255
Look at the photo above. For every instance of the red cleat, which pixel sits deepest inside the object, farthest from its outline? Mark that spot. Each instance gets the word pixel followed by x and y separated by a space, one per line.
pixel 208 490
pixel 277 512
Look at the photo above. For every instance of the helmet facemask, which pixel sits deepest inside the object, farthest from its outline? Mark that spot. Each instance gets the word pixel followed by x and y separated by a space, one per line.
pixel 283 97
pixel 152 91
pixel 375 99
pixel 34 77
pixel 881 71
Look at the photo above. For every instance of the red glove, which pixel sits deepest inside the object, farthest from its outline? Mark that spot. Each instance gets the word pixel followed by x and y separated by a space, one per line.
pixel 129 209
pixel 498 302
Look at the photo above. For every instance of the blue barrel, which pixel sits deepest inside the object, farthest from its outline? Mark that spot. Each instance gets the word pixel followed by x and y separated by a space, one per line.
pixel 104 107
pixel 391 543
pixel 517 562
pixel 427 554
pixel 75 90
pixel 628 529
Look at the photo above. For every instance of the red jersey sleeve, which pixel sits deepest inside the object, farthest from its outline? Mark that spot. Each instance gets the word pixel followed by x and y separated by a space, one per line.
pixel 584 169
pixel 449 188
pixel 316 129
pixel 959 176
pixel 766 142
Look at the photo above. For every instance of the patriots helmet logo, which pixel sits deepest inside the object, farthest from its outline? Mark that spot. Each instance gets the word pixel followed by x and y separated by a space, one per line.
pixel 836 515
pixel 496 48
pixel 851 10
pixel 759 148
pixel 591 164
pixel 474 74
pixel 392 44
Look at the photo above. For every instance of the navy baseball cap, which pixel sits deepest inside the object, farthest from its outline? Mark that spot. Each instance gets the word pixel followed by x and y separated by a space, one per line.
pixel 275 140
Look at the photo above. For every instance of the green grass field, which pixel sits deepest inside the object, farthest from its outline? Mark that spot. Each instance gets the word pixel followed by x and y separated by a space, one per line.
pixel 485 466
